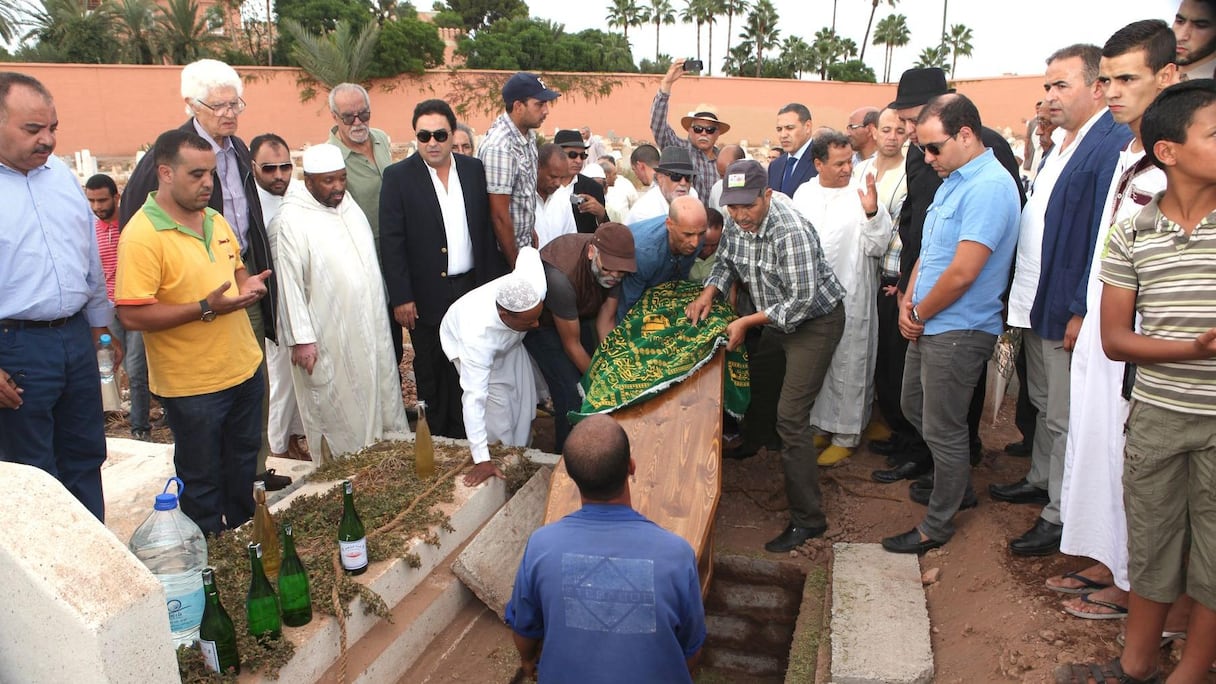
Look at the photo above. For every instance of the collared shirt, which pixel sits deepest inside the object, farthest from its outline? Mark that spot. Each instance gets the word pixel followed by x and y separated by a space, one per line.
pixel 49 265
pixel 1173 275
pixel 652 203
pixel 706 166
pixel 656 263
pixel 455 219
pixel 977 202
pixel 363 175
pixel 1032 225
pixel 107 248
pixel 790 169
pixel 509 156
pixel 236 205
pixel 619 198
pixel 553 216
pixel 782 264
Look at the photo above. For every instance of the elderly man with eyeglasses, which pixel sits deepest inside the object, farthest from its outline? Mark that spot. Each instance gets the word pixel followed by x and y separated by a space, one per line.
pixel 211 91
pixel 365 149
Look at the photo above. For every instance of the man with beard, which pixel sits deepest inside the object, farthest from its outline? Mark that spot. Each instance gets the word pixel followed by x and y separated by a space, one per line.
pixel 1195 33
pixel 181 281
pixel 583 275
pixel 674 177
pixel 346 377
pixel 366 150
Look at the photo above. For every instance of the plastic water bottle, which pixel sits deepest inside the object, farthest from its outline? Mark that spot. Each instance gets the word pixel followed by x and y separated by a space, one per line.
pixel 174 549
pixel 105 360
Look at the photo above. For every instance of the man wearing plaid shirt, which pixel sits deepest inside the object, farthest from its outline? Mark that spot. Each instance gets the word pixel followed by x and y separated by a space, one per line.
pixel 775 252
pixel 509 155
pixel 703 129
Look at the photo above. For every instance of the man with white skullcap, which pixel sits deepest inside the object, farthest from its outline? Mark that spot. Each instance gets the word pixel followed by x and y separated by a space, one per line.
pixel 483 333
pixel 332 304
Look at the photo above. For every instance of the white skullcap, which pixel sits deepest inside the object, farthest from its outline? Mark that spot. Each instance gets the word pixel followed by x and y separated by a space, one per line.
pixel 323 158
pixel 594 171
pixel 525 287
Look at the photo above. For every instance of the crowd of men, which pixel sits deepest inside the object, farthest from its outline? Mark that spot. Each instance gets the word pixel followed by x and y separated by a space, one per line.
pixel 872 266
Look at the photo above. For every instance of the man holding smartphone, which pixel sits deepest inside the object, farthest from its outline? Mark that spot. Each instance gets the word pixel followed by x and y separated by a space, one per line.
pixel 703 128
pixel 586 196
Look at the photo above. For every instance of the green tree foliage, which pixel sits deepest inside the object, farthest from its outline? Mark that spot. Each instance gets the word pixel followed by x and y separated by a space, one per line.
pixel 68 31
pixel 870 24
pixel 741 61
pixel 343 55
pixel 445 17
pixel 318 16
pixel 935 56
pixel 658 66
pixel 798 55
pixel 136 24
pixel 625 14
pixel 698 12
pixel 407 45
pixel 958 43
pixel 731 8
pixel 829 49
pixel 10 17
pixel 478 14
pixel 892 32
pixel 852 70
pixel 542 45
pixel 185 34
pixel 761 31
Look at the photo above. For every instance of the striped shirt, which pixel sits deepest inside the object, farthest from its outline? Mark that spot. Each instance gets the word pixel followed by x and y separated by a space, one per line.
pixel 665 136
pixel 1174 275
pixel 782 264
pixel 510 160
pixel 107 246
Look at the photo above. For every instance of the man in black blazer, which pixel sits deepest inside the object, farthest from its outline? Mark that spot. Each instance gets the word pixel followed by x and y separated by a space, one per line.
pixel 436 244
pixel 589 211
pixel 795 167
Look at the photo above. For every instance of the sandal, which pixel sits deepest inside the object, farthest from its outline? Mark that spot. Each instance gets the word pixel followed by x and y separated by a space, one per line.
pixel 1087 585
pixel 1107 673
pixel 1119 612
pixel 1167 638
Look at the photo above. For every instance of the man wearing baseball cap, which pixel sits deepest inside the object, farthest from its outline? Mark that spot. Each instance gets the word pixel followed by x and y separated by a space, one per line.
pixel 775 252
pixel 702 126
pixel 583 275
pixel 509 155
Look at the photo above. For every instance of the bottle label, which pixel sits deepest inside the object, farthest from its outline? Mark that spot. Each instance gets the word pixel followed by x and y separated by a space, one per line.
pixel 354 554
pixel 186 610
pixel 211 656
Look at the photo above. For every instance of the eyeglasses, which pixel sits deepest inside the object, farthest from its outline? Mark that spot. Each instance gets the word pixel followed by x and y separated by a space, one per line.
pixel 235 107
pixel 271 168
pixel 424 136
pixel 678 177
pixel 349 119
pixel 935 149
pixel 576 155
pixel 705 130
pixel 853 127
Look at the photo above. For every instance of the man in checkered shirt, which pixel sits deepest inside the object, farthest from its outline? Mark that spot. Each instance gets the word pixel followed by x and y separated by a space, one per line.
pixel 775 252
pixel 703 129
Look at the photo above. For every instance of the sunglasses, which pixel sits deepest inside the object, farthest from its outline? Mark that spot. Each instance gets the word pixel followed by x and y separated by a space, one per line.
pixel 425 136
pixel 678 177
pixel 349 119
pixel 705 130
pixel 935 149
pixel 271 168
pixel 576 155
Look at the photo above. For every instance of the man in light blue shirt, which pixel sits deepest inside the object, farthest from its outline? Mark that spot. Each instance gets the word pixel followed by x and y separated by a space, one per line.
pixel 952 313
pixel 666 248
pixel 54 307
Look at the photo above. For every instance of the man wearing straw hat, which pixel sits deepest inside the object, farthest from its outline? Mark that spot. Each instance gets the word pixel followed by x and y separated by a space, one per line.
pixel 702 126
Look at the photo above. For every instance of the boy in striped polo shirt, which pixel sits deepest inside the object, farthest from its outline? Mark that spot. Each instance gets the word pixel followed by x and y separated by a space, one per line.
pixel 1161 264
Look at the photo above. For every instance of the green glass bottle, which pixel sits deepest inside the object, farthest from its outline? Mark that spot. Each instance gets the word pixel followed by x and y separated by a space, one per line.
pixel 352 540
pixel 293 584
pixel 261 605
pixel 216 635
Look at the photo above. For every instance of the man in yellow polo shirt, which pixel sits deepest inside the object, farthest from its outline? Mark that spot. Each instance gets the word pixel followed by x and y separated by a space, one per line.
pixel 181 281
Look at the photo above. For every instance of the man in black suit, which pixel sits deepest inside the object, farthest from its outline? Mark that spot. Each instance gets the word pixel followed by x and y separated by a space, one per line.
pixel 436 244
pixel 589 211
pixel 795 167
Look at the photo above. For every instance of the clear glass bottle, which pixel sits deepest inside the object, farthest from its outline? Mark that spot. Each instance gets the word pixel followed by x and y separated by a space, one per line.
pixel 265 532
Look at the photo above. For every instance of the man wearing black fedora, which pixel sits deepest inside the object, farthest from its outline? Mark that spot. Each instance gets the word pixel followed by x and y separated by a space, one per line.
pixel 702 126
pixel 588 208
pixel 909 455
pixel 673 177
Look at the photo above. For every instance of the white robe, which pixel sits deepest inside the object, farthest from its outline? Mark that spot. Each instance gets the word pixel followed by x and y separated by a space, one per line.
pixel 332 294
pixel 1095 524
pixel 283 419
pixel 852 245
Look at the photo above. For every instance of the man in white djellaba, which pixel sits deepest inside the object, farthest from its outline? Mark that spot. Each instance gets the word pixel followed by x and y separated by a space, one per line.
pixel 854 230
pixel 332 303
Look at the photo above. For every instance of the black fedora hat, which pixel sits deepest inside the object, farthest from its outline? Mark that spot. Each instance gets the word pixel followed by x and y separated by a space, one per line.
pixel 918 86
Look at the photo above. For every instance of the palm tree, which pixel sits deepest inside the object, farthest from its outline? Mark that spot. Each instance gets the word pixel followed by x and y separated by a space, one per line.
pixel 892 32
pixel 68 31
pixel 10 11
pixel 945 6
pixel 958 43
pixel 660 12
pixel 137 26
pixel 625 14
pixel 183 35
pixel 826 51
pixel 709 15
pixel 936 56
pixel 691 14
pixel 873 10
pixel 730 8
pixel 339 56
pixel 762 31
pixel 833 16
pixel 798 54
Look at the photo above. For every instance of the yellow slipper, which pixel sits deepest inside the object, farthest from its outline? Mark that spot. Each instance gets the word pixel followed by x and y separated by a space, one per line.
pixel 877 432
pixel 835 455
pixel 822 441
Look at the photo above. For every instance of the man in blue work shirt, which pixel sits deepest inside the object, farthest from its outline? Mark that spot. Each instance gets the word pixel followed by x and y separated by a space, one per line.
pixel 666 248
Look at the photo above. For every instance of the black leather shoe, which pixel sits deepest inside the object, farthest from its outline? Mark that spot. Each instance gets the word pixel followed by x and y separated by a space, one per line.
pixel 924 481
pixel 1020 492
pixel 909 542
pixel 273 481
pixel 1020 449
pixel 921 496
pixel 903 471
pixel 793 537
pixel 740 452
pixel 1041 540
pixel 884 447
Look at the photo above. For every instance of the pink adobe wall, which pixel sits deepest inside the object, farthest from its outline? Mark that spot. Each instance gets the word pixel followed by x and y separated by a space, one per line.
pixel 113 110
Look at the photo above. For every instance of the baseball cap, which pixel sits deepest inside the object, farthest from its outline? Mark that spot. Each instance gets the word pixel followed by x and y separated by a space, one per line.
pixel 524 85
pixel 743 182
pixel 614 243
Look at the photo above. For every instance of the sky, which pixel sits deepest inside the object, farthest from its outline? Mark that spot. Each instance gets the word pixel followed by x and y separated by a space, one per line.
pixel 1013 37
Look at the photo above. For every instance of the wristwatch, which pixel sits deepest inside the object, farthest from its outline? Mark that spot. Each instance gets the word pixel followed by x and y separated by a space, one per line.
pixel 916 317
pixel 208 314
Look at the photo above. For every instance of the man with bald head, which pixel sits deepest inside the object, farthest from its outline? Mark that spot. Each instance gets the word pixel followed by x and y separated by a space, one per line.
pixel 666 248
pixel 586 560
pixel 729 155
pixel 861 130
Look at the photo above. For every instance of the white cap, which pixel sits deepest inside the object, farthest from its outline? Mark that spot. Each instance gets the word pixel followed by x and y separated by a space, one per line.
pixel 323 158
pixel 593 171
pixel 525 287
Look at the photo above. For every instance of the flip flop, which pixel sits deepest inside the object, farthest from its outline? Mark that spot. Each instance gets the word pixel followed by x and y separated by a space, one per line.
pixel 1119 613
pixel 1088 586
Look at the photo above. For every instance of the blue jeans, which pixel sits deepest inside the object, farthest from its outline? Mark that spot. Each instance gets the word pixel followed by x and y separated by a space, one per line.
pixel 940 375
pixel 60 427
pixel 135 362
pixel 216 438
pixel 562 376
